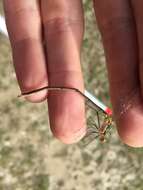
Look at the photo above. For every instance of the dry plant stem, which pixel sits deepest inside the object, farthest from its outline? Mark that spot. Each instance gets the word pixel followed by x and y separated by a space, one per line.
pixel 60 88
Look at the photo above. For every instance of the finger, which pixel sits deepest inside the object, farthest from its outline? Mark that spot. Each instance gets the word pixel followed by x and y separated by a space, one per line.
pixel 137 7
pixel 24 26
pixel 116 23
pixel 63 27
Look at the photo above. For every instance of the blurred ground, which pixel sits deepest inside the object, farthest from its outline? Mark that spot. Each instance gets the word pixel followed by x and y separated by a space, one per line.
pixel 31 159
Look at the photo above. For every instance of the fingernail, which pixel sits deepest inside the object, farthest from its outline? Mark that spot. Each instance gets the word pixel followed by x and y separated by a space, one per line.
pixel 74 138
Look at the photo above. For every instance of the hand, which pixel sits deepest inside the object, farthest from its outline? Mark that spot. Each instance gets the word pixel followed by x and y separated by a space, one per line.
pixel 57 62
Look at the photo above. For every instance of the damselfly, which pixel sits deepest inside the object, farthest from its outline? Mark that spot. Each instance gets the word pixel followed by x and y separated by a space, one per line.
pixel 99 116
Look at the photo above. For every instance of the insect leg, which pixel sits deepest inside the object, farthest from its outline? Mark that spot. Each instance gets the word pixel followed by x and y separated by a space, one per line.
pixel 94 124
pixel 86 143
pixel 91 124
pixel 98 119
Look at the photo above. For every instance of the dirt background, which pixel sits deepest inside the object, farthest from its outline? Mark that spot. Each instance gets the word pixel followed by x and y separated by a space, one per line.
pixel 32 159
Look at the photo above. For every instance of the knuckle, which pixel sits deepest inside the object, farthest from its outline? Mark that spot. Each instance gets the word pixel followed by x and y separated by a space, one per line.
pixel 11 11
pixel 115 26
pixel 60 24
pixel 24 45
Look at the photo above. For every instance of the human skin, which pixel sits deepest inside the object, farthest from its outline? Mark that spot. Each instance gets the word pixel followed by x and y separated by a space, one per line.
pixel 46 38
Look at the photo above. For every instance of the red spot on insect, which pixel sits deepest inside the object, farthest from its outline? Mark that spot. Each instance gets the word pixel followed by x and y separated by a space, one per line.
pixel 109 111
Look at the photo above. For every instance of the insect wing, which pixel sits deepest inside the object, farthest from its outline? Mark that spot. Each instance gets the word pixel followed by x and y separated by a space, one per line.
pixel 95 117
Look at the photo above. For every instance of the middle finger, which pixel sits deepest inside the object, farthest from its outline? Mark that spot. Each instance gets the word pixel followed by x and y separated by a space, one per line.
pixel 63 27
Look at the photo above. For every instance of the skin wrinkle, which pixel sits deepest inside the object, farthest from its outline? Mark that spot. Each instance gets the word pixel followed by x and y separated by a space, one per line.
pixel 127 103
pixel 116 21
pixel 22 11
pixel 26 39
pixel 60 25
pixel 63 8
pixel 63 20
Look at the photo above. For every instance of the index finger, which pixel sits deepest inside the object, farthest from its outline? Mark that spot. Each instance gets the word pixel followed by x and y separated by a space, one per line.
pixel 25 31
